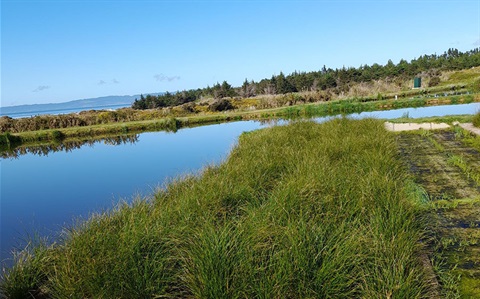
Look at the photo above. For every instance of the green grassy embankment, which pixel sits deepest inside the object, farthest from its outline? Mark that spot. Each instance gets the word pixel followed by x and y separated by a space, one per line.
pixel 11 140
pixel 300 211
pixel 449 119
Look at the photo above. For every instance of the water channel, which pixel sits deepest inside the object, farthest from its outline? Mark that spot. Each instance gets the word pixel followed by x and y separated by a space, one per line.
pixel 43 192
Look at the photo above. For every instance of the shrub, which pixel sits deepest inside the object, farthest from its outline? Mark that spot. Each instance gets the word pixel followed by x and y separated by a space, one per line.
pixel 170 124
pixel 8 140
pixel 475 87
pixel 189 107
pixel 221 105
pixel 107 117
pixel 57 135
pixel 434 81
pixel 6 123
pixel 4 140
pixel 476 120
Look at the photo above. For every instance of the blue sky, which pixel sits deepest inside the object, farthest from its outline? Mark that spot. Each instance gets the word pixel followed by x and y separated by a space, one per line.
pixel 63 50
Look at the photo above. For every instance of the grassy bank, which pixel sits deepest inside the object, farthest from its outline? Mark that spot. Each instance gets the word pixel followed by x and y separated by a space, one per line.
pixel 476 120
pixel 449 119
pixel 299 211
pixel 8 141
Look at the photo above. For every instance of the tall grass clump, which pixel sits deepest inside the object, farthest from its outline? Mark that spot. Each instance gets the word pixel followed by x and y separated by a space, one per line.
pixel 8 141
pixel 27 277
pixel 476 120
pixel 300 211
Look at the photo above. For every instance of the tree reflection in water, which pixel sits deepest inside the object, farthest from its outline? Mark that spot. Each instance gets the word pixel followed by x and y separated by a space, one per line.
pixel 66 146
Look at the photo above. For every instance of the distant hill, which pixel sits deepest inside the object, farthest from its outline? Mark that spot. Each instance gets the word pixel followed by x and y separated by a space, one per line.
pixel 77 105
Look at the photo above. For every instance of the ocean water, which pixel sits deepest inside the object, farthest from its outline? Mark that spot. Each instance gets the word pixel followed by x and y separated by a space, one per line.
pixel 60 111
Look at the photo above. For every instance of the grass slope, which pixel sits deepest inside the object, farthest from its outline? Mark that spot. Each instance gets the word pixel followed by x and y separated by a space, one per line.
pixel 299 211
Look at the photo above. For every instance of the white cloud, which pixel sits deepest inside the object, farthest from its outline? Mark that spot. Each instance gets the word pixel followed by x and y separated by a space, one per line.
pixel 41 88
pixel 113 81
pixel 162 77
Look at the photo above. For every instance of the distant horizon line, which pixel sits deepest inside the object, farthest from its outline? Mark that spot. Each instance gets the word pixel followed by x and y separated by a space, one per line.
pixel 83 99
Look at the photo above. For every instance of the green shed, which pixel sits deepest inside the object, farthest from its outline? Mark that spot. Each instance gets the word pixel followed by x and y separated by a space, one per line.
pixel 417 82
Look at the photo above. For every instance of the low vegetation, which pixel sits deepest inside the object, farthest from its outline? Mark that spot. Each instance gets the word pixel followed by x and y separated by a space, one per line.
pixel 299 211
pixel 476 120
pixel 446 164
pixel 449 119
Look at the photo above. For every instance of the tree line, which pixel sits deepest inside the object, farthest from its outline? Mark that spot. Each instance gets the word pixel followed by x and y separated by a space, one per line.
pixel 323 79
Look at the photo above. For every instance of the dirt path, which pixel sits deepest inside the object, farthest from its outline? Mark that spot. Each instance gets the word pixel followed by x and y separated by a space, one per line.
pixel 455 195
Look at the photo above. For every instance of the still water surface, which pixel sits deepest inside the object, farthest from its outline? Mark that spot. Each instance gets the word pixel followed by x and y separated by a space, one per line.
pixel 45 193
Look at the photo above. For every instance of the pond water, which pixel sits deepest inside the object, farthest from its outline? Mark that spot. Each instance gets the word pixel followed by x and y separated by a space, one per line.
pixel 44 193
pixel 444 110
